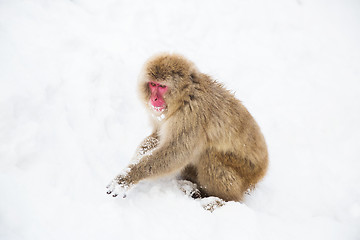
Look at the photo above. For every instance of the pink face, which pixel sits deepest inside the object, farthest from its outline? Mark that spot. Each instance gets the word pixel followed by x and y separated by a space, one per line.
pixel 157 96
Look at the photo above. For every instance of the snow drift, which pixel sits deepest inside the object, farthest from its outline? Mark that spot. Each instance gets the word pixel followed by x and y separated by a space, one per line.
pixel 70 119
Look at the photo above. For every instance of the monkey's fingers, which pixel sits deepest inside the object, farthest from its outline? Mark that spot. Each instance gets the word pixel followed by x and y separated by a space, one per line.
pixel 111 187
pixel 111 192
pixel 116 189
pixel 212 203
pixel 115 195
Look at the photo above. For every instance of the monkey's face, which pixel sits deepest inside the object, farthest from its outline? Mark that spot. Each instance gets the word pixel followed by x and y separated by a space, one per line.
pixel 157 96
pixel 164 81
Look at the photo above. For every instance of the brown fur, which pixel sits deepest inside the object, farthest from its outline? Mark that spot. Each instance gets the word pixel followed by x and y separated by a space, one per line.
pixel 207 134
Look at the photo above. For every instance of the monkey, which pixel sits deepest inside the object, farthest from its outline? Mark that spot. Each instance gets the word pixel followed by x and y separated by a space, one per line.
pixel 200 132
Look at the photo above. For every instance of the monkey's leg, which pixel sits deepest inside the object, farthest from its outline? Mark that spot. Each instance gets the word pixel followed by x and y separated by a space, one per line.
pixel 189 188
pixel 217 178
pixel 189 173
pixel 188 182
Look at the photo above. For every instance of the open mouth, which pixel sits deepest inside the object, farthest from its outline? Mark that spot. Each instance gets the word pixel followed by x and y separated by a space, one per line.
pixel 159 109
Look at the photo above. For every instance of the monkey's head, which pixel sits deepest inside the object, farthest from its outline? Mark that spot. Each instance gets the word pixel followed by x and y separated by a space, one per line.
pixel 166 79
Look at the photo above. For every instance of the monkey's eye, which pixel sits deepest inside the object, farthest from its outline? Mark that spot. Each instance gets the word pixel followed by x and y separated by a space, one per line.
pixel 162 86
pixel 153 84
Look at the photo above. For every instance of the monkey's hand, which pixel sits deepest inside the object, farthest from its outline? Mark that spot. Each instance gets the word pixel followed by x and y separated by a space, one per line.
pixel 119 186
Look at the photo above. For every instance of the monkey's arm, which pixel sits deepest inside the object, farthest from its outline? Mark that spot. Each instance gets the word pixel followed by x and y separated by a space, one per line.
pixel 169 157
pixel 164 160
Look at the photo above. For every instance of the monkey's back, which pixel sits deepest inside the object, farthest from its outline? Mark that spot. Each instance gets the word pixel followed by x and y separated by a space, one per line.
pixel 232 131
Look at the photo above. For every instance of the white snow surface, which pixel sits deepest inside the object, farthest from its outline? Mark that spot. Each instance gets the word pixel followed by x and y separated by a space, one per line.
pixel 70 118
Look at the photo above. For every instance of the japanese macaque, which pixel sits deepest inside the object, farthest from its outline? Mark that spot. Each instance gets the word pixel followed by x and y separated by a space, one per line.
pixel 200 131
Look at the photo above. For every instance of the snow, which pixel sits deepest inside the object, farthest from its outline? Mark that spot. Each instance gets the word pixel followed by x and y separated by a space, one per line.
pixel 70 118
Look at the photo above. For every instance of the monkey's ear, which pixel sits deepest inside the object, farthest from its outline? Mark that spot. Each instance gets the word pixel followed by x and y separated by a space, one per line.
pixel 194 77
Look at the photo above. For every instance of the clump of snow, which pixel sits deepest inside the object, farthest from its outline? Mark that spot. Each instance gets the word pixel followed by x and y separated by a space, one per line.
pixel 70 118
pixel 161 117
pixel 157 109
pixel 147 147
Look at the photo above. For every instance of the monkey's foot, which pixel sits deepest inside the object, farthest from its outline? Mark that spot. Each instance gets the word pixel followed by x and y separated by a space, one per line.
pixel 189 188
pixel 212 203
pixel 115 188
